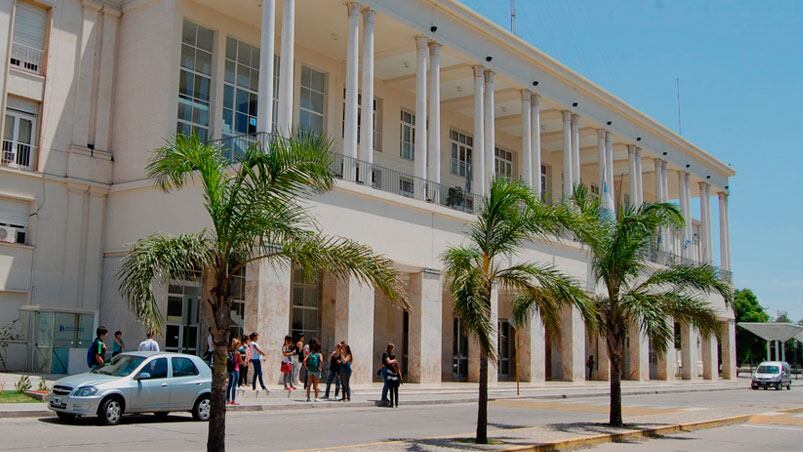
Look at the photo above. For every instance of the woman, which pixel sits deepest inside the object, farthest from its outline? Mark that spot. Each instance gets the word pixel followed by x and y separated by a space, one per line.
pixel 118 346
pixel 313 364
pixel 233 362
pixel 256 363
pixel 288 350
pixel 345 371
pixel 298 358
pixel 303 371
pixel 394 379
pixel 334 372
pixel 245 355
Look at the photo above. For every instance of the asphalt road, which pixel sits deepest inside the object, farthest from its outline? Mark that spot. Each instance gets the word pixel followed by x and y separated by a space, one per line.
pixel 314 429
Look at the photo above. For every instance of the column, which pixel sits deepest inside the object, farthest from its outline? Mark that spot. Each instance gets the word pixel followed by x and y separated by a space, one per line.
pixel 474 345
pixel 705 214
pixel 575 150
pixel 639 178
pixel 267 310
pixel 710 360
pixel 667 360
pixel 531 351
pixel 85 65
pixel 568 180
pixel 422 61
pixel 527 139
pixel 609 163
pixel 660 196
pixel 434 145
pixel 685 209
pixel 535 131
pixel 639 351
pixel 105 86
pixel 477 161
pixel 350 115
pixel 605 178
pixel 729 350
pixel 267 47
pixel 688 350
pixel 631 173
pixel 603 371
pixel 284 122
pixel 572 344
pixel 425 341
pixel 366 151
pixel 724 234
pixel 354 323
pixel 490 130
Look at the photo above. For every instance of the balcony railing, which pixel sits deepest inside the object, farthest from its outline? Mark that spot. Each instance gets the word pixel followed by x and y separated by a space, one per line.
pixel 17 154
pixel 662 257
pixel 26 58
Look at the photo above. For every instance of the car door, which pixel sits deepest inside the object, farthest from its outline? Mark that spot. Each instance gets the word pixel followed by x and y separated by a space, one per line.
pixel 185 383
pixel 153 392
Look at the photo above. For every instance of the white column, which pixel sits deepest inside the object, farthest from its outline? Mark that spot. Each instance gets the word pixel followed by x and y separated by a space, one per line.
pixel 705 214
pixel 350 114
pixel 602 165
pixel 572 344
pixel 85 70
pixel 612 177
pixel 267 309
pixel 689 357
pixel 284 122
pixel 426 292
pixel 660 196
pixel 434 146
pixel 728 349
pixel 366 151
pixel 531 351
pixel 639 178
pixel 526 138
pixel 535 131
pixel 631 176
pixel 490 129
pixel 354 321
pixel 664 181
pixel 710 359
pixel 568 180
pixel 477 161
pixel 575 150
pixel 683 181
pixel 724 233
pixel 267 47
pixel 105 90
pixel 422 60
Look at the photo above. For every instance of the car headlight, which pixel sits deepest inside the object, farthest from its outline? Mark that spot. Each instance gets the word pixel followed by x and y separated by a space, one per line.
pixel 86 391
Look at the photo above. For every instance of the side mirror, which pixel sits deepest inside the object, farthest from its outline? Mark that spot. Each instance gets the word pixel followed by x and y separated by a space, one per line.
pixel 142 376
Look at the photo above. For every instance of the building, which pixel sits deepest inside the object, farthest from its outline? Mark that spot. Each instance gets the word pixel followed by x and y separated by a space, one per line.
pixel 90 87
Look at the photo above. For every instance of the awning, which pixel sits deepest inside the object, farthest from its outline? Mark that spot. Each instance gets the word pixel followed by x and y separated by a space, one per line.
pixel 774 331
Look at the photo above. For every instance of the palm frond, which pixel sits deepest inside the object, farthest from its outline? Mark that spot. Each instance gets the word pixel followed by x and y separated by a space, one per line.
pixel 703 278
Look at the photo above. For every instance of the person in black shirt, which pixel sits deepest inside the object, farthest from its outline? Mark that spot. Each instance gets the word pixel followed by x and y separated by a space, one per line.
pixel 334 372
pixel 96 355
pixel 394 379
pixel 387 361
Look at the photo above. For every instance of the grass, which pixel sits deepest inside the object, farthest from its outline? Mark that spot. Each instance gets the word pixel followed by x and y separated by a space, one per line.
pixel 15 397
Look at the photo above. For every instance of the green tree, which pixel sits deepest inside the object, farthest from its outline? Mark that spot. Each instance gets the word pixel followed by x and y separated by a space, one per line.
pixel 256 210
pixel 783 317
pixel 749 347
pixel 635 295
pixel 508 217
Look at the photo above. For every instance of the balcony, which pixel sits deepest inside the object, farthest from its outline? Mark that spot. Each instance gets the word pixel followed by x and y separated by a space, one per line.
pixel 27 58
pixel 17 154
pixel 663 257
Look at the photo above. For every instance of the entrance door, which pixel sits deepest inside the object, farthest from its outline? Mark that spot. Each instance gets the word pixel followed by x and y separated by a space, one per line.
pixel 459 351
pixel 506 349
pixel 181 333
pixel 55 334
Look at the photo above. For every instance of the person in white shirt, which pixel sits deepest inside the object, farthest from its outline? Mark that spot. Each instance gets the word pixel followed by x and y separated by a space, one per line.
pixel 256 362
pixel 149 345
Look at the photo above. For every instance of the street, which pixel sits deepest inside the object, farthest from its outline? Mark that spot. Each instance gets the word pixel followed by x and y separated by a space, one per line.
pixel 363 427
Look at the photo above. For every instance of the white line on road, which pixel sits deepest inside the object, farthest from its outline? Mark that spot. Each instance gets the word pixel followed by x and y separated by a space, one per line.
pixel 772 427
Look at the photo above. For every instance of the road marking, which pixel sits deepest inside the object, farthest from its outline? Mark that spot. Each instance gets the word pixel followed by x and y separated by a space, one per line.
pixel 770 413
pixel 771 427
pixel 693 408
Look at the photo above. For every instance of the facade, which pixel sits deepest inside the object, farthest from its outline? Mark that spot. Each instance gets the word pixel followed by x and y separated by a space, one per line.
pixel 91 87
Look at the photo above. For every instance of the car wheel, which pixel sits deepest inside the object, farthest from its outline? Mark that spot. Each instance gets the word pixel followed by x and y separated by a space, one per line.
pixel 202 408
pixel 110 411
pixel 66 417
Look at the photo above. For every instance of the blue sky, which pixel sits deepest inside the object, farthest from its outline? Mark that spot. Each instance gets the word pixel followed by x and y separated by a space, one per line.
pixel 740 65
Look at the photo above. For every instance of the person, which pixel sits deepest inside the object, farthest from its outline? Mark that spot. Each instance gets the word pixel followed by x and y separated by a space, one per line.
pixel 148 345
pixel 96 354
pixel 288 350
pixel 298 358
pixel 210 346
pixel 590 366
pixel 303 371
pixel 256 363
pixel 245 355
pixel 313 364
pixel 118 345
pixel 383 371
pixel 345 372
pixel 394 378
pixel 233 361
pixel 334 372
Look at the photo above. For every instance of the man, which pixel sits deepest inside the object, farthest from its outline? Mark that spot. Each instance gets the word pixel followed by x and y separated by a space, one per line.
pixel 590 366
pixel 149 345
pixel 387 362
pixel 96 355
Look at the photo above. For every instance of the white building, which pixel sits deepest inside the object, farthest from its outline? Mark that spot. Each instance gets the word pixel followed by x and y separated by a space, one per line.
pixel 90 87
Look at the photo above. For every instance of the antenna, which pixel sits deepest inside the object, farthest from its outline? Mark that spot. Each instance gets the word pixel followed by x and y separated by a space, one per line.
pixel 677 85
pixel 513 16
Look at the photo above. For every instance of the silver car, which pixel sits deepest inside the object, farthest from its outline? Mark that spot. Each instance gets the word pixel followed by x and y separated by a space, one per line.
pixel 775 374
pixel 136 382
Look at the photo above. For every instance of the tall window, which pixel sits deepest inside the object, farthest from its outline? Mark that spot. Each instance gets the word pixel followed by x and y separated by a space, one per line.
pixel 240 88
pixel 28 46
pixel 13 221
pixel 19 133
pixel 237 292
pixel 377 120
pixel 503 163
pixel 461 145
pixel 306 303
pixel 407 151
pixel 544 189
pixel 311 114
pixel 195 80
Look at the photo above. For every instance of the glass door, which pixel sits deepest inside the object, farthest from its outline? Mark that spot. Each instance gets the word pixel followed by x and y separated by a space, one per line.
pixel 505 349
pixel 459 351
pixel 182 325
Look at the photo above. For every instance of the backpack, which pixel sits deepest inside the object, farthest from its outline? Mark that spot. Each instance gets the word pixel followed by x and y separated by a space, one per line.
pixel 230 362
pixel 314 362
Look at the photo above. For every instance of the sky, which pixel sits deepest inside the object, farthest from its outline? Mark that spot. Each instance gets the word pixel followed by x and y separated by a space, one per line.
pixel 740 65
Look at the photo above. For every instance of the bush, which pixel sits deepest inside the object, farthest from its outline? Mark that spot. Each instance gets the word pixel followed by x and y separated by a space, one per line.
pixel 43 385
pixel 23 384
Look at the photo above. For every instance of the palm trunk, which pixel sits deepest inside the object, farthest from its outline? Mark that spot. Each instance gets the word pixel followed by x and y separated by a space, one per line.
pixel 615 346
pixel 482 411
pixel 216 437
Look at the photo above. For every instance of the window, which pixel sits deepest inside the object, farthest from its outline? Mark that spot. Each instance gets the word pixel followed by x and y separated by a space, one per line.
pixel 306 304
pixel 377 120
pixel 503 163
pixel 13 221
pixel 544 185
pixel 28 46
pixel 237 292
pixel 183 367
pixel 19 133
pixel 195 80
pixel 407 135
pixel 240 88
pixel 311 114
pixel 157 368
pixel 461 145
pixel 406 186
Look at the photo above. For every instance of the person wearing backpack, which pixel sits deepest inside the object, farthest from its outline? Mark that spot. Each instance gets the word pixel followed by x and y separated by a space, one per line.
pixel 313 364
pixel 233 362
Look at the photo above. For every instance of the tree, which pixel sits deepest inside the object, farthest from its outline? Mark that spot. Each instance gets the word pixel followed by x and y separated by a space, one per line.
pixel 508 217
pixel 746 307
pixel 256 212
pixel 783 317
pixel 636 294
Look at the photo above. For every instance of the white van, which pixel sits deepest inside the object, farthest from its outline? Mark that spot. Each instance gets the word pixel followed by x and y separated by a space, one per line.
pixel 774 374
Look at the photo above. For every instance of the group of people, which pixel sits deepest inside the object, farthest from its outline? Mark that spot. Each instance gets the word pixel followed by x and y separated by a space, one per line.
pixel 96 354
pixel 304 363
pixel 244 352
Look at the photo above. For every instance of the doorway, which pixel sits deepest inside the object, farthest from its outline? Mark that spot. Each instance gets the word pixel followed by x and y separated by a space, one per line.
pixel 58 336
pixel 506 349
pixel 459 351
pixel 182 322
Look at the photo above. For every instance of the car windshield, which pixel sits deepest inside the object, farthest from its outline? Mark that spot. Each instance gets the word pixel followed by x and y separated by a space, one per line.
pixel 768 370
pixel 121 365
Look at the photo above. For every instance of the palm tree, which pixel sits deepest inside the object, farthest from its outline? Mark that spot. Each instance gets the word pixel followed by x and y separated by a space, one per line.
pixel 635 295
pixel 508 217
pixel 256 212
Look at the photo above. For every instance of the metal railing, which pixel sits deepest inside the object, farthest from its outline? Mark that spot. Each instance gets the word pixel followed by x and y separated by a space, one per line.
pixel 663 257
pixel 26 58
pixel 16 154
